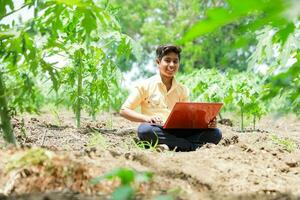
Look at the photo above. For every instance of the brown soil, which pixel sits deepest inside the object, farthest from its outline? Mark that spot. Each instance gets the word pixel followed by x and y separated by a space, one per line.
pixel 249 165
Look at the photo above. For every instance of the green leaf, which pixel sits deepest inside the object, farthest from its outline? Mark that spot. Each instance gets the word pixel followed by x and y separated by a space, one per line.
pixel 247 6
pixel 218 17
pixel 124 192
pixel 78 3
pixel 144 176
pixel 3 5
pixel 7 34
pixel 215 18
pixel 126 175
pixel 284 33
pixel 89 22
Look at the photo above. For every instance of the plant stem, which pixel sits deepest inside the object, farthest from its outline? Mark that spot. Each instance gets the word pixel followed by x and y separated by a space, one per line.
pixel 8 133
pixel 79 87
pixel 7 14
pixel 94 117
pixel 242 119
pixel 220 116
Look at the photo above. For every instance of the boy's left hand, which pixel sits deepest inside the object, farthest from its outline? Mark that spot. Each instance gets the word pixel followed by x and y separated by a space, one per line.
pixel 213 123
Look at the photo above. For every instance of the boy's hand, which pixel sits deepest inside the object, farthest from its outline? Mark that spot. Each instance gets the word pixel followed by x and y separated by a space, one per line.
pixel 153 120
pixel 213 123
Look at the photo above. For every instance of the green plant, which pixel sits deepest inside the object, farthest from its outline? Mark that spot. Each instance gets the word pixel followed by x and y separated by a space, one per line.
pixel 33 156
pixel 109 122
pixel 91 34
pixel 287 143
pixel 84 34
pixel 146 144
pixel 127 177
pixel 8 134
pixel 276 26
pixel 56 116
pixel 247 90
pixel 20 61
pixel 240 92
pixel 97 140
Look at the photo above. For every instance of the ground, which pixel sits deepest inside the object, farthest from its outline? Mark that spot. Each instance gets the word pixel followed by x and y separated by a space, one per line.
pixel 261 164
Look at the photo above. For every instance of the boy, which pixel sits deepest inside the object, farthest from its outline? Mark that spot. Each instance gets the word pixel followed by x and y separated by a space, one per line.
pixel 157 96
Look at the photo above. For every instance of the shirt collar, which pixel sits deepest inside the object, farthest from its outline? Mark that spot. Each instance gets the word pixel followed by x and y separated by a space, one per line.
pixel 159 81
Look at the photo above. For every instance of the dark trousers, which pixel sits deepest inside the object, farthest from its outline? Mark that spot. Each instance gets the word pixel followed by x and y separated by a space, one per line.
pixel 179 139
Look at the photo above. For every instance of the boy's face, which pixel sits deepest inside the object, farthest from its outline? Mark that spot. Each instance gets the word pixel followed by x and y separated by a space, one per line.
pixel 168 65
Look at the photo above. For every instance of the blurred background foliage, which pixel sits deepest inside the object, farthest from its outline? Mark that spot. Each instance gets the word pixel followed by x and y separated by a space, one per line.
pixel 258 38
pixel 152 23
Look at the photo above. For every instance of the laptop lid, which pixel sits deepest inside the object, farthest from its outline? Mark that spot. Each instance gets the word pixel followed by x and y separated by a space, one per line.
pixel 192 115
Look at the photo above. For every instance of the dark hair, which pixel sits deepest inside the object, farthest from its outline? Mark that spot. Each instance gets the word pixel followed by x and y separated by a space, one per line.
pixel 163 50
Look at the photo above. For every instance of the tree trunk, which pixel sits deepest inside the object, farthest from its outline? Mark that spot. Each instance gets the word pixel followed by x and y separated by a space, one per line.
pixel 8 133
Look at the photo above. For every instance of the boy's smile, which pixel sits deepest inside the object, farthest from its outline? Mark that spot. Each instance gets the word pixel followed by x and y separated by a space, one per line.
pixel 168 65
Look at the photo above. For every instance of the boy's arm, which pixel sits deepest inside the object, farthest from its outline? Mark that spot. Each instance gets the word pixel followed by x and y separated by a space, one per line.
pixel 134 100
pixel 138 117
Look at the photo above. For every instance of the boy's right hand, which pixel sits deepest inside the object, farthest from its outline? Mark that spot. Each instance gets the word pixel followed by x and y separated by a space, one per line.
pixel 153 120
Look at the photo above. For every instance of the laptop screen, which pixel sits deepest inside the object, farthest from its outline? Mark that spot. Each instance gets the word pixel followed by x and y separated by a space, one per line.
pixel 192 115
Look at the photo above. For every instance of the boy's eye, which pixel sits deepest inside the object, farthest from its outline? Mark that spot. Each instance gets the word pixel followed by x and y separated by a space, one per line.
pixel 175 61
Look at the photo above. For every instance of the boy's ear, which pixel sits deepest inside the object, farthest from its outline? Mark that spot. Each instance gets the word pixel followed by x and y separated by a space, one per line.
pixel 157 61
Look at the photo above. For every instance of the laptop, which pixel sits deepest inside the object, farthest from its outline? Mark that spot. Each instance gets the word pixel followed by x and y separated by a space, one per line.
pixel 185 115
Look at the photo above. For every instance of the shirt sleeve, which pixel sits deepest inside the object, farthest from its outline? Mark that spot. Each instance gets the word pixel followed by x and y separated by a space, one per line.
pixel 134 99
pixel 185 94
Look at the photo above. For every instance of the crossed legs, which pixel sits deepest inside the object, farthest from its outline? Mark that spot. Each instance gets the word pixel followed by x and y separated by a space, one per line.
pixel 181 139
